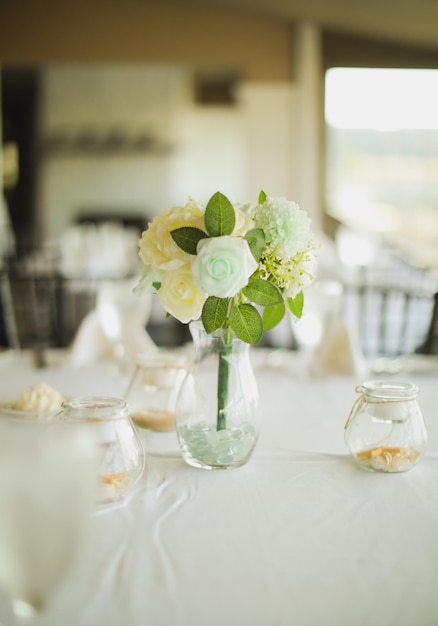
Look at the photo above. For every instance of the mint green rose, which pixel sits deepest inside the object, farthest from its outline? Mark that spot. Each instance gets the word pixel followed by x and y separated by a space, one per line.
pixel 223 266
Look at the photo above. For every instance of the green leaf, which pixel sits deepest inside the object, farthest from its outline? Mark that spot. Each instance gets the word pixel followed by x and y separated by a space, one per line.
pixel 246 323
pixel 272 315
pixel 214 313
pixel 262 292
pixel 296 304
pixel 220 217
pixel 188 237
pixel 156 285
pixel 256 241
pixel 262 197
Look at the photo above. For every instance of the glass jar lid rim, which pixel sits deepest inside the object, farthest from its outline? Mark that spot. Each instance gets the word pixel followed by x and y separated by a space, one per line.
pixel 96 407
pixel 390 389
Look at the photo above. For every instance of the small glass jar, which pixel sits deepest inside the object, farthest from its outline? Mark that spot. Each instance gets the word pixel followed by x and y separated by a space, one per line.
pixel 121 453
pixel 385 431
pixel 153 389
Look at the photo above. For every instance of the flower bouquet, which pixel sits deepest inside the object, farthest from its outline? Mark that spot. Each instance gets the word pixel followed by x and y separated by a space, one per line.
pixel 239 269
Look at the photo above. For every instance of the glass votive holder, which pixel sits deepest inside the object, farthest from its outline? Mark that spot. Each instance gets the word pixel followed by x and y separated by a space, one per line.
pixel 153 389
pixel 385 431
pixel 121 454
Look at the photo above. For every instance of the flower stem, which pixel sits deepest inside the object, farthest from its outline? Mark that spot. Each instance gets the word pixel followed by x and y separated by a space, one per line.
pixel 223 378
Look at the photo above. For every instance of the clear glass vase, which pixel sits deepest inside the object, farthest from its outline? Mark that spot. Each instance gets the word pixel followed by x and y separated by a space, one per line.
pixel 217 419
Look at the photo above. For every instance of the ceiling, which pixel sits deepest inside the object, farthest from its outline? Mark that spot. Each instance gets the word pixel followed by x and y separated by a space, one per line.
pixel 409 22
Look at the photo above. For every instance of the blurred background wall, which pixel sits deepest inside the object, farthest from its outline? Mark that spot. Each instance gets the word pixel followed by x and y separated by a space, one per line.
pixel 126 107
pixel 117 109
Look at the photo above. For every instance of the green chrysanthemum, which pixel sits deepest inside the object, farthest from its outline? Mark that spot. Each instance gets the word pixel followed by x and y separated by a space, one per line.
pixel 286 226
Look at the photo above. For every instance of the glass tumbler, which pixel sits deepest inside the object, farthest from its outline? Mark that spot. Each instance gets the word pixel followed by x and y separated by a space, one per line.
pixel 385 431
pixel 48 489
pixel 121 454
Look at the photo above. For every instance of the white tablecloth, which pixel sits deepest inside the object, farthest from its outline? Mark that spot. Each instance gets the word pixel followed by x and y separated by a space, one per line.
pixel 300 536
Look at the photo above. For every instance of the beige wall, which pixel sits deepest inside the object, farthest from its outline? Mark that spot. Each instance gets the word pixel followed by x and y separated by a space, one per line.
pixel 277 71
pixel 126 30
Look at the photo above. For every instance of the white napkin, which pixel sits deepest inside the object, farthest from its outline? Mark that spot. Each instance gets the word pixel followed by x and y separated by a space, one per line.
pixel 91 344
pixel 116 329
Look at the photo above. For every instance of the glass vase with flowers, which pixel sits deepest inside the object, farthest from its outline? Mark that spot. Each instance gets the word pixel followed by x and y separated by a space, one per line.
pixel 232 272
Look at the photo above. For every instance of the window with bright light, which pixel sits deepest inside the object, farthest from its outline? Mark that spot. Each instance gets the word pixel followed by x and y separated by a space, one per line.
pixel 382 148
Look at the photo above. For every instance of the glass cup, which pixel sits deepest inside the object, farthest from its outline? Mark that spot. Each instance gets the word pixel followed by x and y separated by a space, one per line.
pixel 385 431
pixel 121 458
pixel 48 492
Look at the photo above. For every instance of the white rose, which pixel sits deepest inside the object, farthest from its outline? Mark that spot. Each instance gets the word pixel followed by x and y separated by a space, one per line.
pixel 179 296
pixel 223 266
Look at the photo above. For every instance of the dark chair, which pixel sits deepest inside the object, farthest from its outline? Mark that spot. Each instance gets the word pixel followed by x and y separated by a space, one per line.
pixel 394 311
pixel 430 345
pixel 42 309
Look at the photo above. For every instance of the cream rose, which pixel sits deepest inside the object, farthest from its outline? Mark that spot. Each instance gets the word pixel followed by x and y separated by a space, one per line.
pixel 179 296
pixel 244 223
pixel 223 266
pixel 156 246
